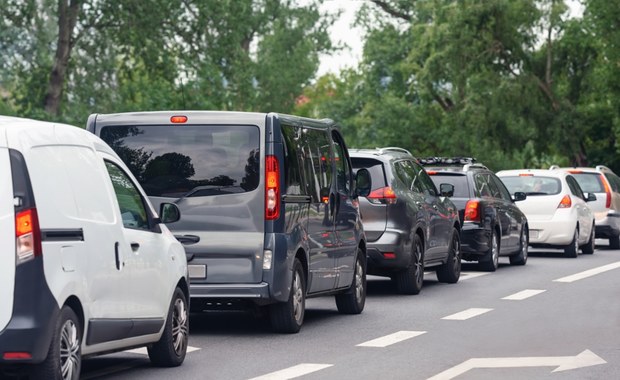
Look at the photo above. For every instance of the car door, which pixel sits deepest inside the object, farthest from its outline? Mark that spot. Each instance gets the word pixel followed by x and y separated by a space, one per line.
pixel 442 209
pixel 584 214
pixel 510 215
pixel 141 252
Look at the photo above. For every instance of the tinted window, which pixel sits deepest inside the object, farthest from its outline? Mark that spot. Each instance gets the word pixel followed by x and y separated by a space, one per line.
pixel 318 163
pixel 343 173
pixel 425 180
pixel 377 175
pixel 293 170
pixel 614 181
pixel 482 185
pixel 459 181
pixel 533 185
pixel 129 199
pixel 590 182
pixel 574 187
pixel 190 161
pixel 408 175
pixel 503 192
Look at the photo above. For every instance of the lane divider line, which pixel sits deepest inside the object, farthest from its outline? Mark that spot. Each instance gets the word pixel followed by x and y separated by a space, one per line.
pixel 469 313
pixel 293 372
pixel 589 273
pixel 388 340
pixel 469 275
pixel 527 293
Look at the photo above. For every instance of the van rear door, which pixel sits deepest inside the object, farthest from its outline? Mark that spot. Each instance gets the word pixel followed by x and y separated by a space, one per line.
pixel 7 236
pixel 212 172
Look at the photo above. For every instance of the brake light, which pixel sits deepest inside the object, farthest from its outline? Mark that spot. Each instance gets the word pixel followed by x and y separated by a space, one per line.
pixel 389 255
pixel 565 202
pixel 16 355
pixel 178 119
pixel 526 175
pixel 607 191
pixel 573 171
pixel 272 188
pixel 27 235
pixel 431 172
pixel 385 195
pixel 472 211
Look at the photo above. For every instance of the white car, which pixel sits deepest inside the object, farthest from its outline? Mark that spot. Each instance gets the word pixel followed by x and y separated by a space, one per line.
pixel 555 207
pixel 86 265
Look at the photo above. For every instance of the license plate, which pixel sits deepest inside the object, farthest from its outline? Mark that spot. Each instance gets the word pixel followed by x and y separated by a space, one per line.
pixel 197 271
pixel 533 234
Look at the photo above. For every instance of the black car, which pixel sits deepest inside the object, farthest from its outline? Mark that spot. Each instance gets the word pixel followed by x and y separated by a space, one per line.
pixel 409 225
pixel 493 225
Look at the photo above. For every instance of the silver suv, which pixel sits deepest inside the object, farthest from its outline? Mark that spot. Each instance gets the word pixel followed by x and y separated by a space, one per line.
pixel 409 225
pixel 605 184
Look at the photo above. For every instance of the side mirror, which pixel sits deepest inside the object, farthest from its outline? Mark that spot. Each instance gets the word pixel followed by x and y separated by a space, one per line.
pixel 169 213
pixel 446 190
pixel 519 196
pixel 363 183
pixel 589 197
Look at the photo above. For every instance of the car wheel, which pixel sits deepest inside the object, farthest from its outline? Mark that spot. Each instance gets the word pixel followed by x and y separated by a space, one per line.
pixel 588 249
pixel 171 348
pixel 410 280
pixel 287 317
pixel 521 257
pixel 451 270
pixel 353 300
pixel 614 242
pixel 572 250
pixel 490 262
pixel 64 358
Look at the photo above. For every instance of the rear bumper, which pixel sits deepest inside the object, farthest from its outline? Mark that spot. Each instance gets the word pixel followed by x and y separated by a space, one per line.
pixel 391 241
pixel 474 241
pixel 35 313
pixel 551 232
pixel 608 226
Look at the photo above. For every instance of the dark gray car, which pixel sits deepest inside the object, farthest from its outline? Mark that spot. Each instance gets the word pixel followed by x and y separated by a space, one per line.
pixel 409 225
pixel 267 203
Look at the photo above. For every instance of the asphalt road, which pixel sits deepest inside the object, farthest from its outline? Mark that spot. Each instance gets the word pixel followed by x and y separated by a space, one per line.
pixel 550 322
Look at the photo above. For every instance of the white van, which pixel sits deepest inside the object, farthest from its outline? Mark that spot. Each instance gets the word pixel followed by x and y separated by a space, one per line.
pixel 86 265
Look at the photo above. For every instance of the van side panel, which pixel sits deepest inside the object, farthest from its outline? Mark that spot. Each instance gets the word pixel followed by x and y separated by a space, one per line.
pixel 7 236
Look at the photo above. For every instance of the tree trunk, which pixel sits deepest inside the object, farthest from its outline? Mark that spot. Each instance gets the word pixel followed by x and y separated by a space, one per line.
pixel 67 18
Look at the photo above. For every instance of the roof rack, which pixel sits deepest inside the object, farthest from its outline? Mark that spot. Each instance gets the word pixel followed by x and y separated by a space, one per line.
pixel 394 148
pixel 553 167
pixel 602 167
pixel 447 161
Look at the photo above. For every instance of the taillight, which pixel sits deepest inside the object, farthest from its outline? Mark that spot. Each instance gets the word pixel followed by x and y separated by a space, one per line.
pixel 16 355
pixel 178 119
pixel 472 211
pixel 384 195
pixel 272 188
pixel 565 202
pixel 27 235
pixel 607 191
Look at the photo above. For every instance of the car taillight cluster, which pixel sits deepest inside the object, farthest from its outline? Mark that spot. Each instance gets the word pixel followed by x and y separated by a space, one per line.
pixel 472 211
pixel 607 191
pixel 27 235
pixel 272 188
pixel 384 195
pixel 565 202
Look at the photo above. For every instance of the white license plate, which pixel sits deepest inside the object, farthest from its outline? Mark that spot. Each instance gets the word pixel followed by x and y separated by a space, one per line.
pixel 197 271
pixel 534 234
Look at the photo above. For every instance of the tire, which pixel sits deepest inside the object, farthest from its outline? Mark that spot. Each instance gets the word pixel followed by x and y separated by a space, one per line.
pixel 410 280
pixel 450 271
pixel 64 358
pixel 287 317
pixel 588 249
pixel 521 257
pixel 490 262
pixel 572 250
pixel 353 300
pixel 171 348
pixel 614 242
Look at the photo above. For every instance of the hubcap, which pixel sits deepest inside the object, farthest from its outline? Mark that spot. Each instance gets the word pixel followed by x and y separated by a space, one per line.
pixel 419 273
pixel 297 297
pixel 523 246
pixel 359 281
pixel 576 241
pixel 495 253
pixel 69 351
pixel 179 326
pixel 457 254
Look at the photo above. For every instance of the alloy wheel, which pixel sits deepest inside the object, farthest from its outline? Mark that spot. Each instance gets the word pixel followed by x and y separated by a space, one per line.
pixel 495 252
pixel 359 280
pixel 69 351
pixel 297 297
pixel 179 326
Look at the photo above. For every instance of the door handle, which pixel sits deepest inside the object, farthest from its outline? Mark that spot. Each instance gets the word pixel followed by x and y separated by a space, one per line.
pixel 135 246
pixel 187 239
pixel 117 256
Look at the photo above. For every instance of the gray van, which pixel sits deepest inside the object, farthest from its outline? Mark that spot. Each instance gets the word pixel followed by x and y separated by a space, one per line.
pixel 268 202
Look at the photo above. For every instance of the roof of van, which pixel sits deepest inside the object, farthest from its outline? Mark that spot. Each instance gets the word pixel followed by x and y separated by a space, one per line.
pixel 14 128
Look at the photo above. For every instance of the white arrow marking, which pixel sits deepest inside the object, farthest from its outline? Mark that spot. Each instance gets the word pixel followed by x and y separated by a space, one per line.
pixel 293 372
pixel 589 273
pixel 564 363
pixel 391 339
pixel 527 293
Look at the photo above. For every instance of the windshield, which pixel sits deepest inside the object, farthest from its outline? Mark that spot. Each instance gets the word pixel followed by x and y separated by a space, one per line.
pixel 532 185
pixel 189 161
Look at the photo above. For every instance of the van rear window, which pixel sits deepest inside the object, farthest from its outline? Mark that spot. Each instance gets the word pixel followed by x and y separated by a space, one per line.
pixel 189 160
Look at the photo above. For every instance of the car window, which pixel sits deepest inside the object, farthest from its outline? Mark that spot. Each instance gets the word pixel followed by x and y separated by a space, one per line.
pixel 293 170
pixel 493 188
pixel 343 172
pixel 459 181
pixel 318 164
pixel 589 182
pixel 375 167
pixel 503 192
pixel 130 202
pixel 614 181
pixel 532 185
pixel 574 187
pixel 482 185
pixel 425 180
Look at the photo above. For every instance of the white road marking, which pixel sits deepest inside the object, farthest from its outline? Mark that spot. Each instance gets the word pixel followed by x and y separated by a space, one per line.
pixel 585 359
pixel 468 275
pixel 527 293
pixel 469 313
pixel 391 339
pixel 589 273
pixel 293 372
pixel 114 370
pixel 143 351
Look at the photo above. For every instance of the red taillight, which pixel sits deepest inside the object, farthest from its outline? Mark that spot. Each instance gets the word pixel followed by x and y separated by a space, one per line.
pixel 383 195
pixel 16 355
pixel 272 188
pixel 607 191
pixel 27 235
pixel 431 172
pixel 573 171
pixel 565 202
pixel 178 119
pixel 526 175
pixel 389 255
pixel 472 211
